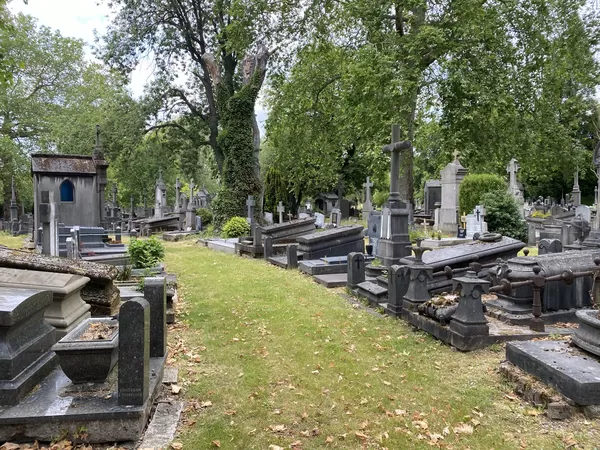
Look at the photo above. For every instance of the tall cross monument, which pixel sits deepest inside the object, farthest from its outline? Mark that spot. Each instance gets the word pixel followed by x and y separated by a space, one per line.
pixel 393 246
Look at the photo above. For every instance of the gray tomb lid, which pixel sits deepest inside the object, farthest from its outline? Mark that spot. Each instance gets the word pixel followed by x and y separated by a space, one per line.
pixel 19 304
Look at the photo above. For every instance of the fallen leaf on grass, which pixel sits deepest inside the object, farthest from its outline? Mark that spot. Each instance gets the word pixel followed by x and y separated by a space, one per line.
pixel 216 443
pixel 329 440
pixel 277 428
pixel 176 445
pixel 533 412
pixel 206 404
pixel 400 412
pixel 463 428
pixel 275 447
pixel 361 436
pixel 175 389
pixel 296 444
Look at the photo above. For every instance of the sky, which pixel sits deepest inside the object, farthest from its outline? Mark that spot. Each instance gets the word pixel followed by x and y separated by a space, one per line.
pixel 79 19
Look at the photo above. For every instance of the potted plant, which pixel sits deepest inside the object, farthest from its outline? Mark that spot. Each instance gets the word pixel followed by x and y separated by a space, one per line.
pixel 88 353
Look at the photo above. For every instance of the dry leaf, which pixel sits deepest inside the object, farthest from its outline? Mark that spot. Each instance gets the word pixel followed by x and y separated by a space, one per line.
pixel 363 425
pixel 361 436
pixel 475 422
pixel 400 412
pixel 533 412
pixel 275 447
pixel 329 440
pixel 10 446
pixel 176 445
pixel 216 443
pixel 463 428
pixel 175 389
pixel 277 428
pixel 296 444
pixel 206 404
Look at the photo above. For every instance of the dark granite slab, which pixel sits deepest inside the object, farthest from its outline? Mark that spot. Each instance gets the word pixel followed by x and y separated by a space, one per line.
pixel 57 405
pixel 570 371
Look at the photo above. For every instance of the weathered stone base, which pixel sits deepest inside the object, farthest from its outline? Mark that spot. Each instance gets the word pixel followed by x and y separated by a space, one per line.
pixel 463 341
pixel 12 391
pixel 497 309
pixel 57 409
pixel 569 370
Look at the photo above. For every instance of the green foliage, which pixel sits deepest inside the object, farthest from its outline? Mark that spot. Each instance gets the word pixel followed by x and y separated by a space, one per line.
pixel 475 186
pixel 540 215
pixel 146 253
pixel 502 215
pixel 414 234
pixel 205 215
pixel 236 227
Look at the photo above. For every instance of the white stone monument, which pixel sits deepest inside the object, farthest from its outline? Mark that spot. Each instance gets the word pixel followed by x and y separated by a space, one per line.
pixel 452 176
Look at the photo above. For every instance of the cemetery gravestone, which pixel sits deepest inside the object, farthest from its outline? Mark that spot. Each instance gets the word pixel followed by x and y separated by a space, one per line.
pixel 134 352
pixel 155 292
pixel 367 205
pixel 394 239
pixel 280 211
pixel 335 219
pixel 452 176
pixel 356 269
pixel 319 220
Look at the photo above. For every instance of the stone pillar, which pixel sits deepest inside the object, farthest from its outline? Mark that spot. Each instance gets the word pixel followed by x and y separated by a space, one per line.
pixel 531 234
pixel 417 291
pixel 468 324
pixel 118 234
pixel 356 269
pixel 134 352
pixel 576 193
pixel 398 279
pixel 53 227
pixel 14 210
pixel 155 292
pixel 367 205
pixel 251 203
pixel 292 256
pixel 268 248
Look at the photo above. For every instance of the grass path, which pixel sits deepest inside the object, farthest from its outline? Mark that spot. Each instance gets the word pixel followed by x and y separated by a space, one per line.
pixel 269 358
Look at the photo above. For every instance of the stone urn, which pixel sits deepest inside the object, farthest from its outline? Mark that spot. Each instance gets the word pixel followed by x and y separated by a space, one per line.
pixel 587 336
pixel 89 352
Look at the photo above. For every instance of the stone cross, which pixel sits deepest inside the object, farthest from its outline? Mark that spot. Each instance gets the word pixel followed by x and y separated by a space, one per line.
pixel 280 210
pixel 456 155
pixel 395 147
pixel 477 212
pixel 512 169
pixel 14 209
pixel 250 203
pixel 367 205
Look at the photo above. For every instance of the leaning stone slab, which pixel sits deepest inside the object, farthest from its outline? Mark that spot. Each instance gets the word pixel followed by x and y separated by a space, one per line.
pixel 100 293
pixel 67 309
pixel 25 341
pixel 571 372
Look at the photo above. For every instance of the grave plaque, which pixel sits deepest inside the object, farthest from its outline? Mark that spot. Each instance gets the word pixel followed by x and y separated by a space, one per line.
pixel 134 352
pixel 155 292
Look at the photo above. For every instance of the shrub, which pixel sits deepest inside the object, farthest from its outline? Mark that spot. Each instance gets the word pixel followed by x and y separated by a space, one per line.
pixel 236 227
pixel 146 252
pixel 205 215
pixel 475 186
pixel 540 215
pixel 502 215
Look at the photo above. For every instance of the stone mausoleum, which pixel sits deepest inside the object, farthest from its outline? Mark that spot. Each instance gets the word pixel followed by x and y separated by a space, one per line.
pixel 78 183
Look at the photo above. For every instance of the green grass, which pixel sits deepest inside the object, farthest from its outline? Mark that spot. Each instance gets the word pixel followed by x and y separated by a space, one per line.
pixel 283 360
pixel 11 241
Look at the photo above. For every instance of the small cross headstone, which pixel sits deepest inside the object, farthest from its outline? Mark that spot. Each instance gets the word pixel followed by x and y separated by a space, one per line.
pixel 356 269
pixel 134 352
pixel 155 292
pixel 280 210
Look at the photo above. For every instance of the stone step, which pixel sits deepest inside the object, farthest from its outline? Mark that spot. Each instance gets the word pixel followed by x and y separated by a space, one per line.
pixel 382 281
pixel 373 292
